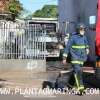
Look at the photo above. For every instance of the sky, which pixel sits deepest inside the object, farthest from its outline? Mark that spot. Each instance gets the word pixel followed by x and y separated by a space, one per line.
pixel 33 5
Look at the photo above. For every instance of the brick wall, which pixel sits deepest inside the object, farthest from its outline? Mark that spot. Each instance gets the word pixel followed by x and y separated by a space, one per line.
pixel 3 4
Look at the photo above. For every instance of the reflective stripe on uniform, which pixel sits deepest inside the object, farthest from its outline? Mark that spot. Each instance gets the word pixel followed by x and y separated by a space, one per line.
pixel 77 62
pixel 79 86
pixel 79 47
pixel 77 81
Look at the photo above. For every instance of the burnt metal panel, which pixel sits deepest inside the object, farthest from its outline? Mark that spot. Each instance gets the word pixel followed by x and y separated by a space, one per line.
pixel 78 11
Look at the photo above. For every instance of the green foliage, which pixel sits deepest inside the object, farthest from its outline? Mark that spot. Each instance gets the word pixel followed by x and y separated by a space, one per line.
pixel 25 14
pixel 15 7
pixel 48 11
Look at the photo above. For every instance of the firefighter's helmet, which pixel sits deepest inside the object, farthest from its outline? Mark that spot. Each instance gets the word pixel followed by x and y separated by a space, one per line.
pixel 81 26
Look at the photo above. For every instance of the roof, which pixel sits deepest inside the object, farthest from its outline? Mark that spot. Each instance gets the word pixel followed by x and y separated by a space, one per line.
pixel 43 20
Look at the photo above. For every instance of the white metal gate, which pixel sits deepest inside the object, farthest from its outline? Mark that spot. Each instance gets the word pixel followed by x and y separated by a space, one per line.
pixel 22 41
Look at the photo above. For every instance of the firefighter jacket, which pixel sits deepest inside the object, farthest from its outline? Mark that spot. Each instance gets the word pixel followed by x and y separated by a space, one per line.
pixel 77 46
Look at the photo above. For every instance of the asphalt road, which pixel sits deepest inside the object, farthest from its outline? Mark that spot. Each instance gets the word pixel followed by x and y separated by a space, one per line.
pixel 9 97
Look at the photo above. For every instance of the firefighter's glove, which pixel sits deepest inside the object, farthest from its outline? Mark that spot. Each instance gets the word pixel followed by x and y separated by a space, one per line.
pixel 64 59
pixel 87 51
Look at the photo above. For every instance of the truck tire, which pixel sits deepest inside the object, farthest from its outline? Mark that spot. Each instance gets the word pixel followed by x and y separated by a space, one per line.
pixel 97 73
pixel 48 84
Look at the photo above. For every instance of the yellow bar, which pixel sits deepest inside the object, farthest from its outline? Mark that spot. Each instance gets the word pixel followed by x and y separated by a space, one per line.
pixel 77 62
pixel 79 47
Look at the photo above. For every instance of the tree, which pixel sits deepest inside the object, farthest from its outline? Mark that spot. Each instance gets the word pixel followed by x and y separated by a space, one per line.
pixel 25 14
pixel 48 11
pixel 14 7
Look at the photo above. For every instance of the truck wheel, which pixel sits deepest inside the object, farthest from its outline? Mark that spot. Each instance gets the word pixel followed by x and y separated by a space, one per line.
pixel 97 73
pixel 47 84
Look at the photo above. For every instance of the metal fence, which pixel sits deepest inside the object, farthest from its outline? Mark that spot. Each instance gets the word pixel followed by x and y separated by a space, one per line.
pixel 22 41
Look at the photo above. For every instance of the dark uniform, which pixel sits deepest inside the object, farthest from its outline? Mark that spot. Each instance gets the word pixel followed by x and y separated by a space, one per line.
pixel 77 46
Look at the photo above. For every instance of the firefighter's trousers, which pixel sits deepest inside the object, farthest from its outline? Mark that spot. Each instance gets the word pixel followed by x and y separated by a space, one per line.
pixel 77 71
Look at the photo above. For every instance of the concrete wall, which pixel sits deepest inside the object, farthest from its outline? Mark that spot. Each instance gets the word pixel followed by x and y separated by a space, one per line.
pixel 23 65
pixel 78 11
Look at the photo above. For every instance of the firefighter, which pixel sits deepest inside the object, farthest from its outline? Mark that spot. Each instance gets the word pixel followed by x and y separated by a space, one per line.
pixel 78 48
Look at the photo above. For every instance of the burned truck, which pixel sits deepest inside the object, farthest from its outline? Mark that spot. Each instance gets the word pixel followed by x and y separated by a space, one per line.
pixel 47 31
